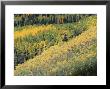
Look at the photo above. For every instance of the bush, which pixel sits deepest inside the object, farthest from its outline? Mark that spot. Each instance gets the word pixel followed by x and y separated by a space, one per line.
pixel 31 41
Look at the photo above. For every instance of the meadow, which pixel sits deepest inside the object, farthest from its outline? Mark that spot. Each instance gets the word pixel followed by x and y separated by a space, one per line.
pixel 55 45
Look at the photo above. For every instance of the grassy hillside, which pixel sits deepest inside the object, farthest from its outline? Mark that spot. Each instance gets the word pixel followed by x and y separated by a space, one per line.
pixel 33 40
pixel 76 57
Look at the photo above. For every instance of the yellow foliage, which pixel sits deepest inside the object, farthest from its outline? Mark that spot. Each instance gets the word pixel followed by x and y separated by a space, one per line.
pixel 32 31
pixel 57 50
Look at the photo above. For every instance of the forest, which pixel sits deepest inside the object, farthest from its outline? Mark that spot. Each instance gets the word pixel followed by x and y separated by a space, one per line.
pixel 55 45
pixel 44 19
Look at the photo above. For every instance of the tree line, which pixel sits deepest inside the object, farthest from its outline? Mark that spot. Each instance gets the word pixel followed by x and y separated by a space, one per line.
pixel 40 19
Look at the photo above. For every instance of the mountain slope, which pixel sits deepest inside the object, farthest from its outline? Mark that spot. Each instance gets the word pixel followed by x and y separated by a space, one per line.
pixel 75 57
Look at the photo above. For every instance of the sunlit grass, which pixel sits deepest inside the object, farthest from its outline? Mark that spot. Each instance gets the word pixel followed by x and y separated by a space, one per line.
pixel 35 66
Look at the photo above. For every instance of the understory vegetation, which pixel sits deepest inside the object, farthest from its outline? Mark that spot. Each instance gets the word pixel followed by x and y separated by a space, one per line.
pixel 55 45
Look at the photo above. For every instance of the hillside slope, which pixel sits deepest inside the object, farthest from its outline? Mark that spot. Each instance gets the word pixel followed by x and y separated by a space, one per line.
pixel 32 40
pixel 75 57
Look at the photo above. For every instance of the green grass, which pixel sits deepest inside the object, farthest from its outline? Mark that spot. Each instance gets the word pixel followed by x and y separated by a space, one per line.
pixel 28 47
pixel 76 57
